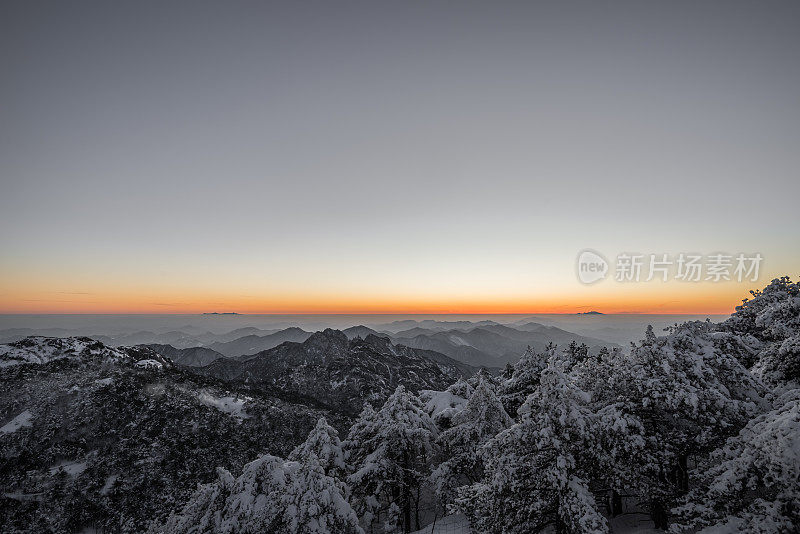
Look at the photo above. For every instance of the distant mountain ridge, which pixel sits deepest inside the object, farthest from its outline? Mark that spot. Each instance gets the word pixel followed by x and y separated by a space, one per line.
pixel 481 343
pixel 191 356
pixel 494 345
pixel 342 373
pixel 253 344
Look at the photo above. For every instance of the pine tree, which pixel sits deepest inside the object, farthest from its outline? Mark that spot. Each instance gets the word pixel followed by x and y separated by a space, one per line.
pixel 576 353
pixel 535 470
pixel 204 510
pixel 620 448
pixel 752 484
pixel 271 495
pixel 483 375
pixel 390 452
pixel 324 445
pixel 462 444
pixel 689 396
pixel 461 388
pixel 361 432
pixel 524 379
pixel 772 317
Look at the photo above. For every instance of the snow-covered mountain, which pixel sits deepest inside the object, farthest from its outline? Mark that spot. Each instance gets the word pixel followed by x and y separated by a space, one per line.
pixel 342 373
pixel 42 350
pixel 112 438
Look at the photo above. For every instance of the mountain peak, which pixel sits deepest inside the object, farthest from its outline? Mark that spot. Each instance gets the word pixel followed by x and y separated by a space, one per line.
pixel 378 341
pixel 327 339
pixel 358 331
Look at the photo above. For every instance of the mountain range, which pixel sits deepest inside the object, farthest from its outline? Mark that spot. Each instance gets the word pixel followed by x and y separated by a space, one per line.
pixel 341 373
pixel 253 344
pixel 481 343
pixel 492 345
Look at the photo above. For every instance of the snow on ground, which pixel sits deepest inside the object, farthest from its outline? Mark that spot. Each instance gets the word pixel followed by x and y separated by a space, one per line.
pixel 633 523
pixel 41 350
pixel 107 486
pixel 459 341
pixel 39 353
pixel 73 468
pixel 19 496
pixel 437 402
pixel 231 405
pixel 23 419
pixel 149 364
pixel 451 524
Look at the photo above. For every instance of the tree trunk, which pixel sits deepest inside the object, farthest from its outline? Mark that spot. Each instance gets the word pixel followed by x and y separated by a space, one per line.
pixel 683 473
pixel 659 515
pixel 406 496
pixel 417 498
pixel 616 503
pixel 561 528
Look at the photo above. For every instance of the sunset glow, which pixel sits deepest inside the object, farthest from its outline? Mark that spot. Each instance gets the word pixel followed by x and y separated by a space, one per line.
pixel 668 298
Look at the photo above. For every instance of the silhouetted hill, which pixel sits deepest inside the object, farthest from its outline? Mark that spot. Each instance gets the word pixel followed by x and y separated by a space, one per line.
pixel 191 356
pixel 252 344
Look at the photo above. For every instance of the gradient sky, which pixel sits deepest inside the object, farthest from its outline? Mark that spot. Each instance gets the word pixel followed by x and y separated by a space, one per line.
pixel 390 156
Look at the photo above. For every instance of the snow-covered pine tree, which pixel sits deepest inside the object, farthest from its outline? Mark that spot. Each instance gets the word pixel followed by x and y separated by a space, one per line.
pixel 619 450
pixel 203 512
pixel 483 375
pixel 391 453
pixel 461 445
pixel 772 317
pixel 752 483
pixel 271 495
pixel 535 470
pixel 773 314
pixel 689 396
pixel 576 353
pixel 461 388
pixel 360 433
pixel 524 379
pixel 313 506
pixel 323 443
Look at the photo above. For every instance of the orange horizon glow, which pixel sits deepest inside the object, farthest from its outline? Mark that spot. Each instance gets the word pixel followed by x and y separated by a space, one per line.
pixel 460 292
pixel 704 302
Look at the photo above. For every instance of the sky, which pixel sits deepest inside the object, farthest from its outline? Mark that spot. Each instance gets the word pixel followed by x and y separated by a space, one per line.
pixel 391 157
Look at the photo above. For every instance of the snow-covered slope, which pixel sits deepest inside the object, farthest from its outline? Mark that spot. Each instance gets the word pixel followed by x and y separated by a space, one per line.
pixel 42 350
pixel 112 438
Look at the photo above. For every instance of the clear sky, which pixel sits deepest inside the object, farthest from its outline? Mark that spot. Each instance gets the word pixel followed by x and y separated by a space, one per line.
pixel 390 156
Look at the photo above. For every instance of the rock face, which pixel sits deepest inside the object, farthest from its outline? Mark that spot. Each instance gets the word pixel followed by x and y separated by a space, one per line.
pixel 359 331
pixel 341 373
